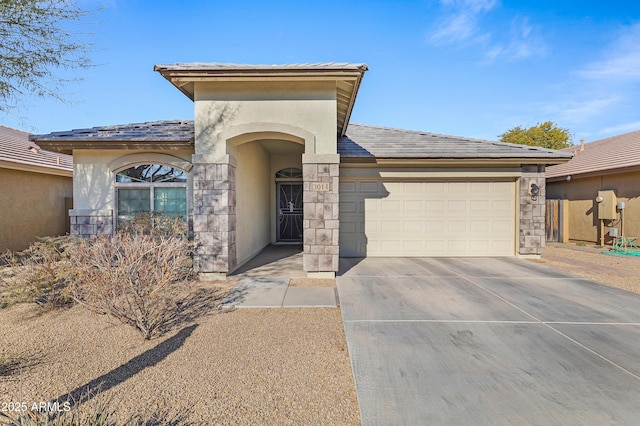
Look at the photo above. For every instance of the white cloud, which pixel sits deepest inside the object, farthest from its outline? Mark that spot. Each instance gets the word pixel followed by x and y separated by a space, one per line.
pixel 621 128
pixel 462 23
pixel 523 43
pixel 575 112
pixel 463 26
pixel 622 61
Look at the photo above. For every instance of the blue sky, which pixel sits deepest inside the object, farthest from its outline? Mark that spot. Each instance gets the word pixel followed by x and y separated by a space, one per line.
pixel 470 68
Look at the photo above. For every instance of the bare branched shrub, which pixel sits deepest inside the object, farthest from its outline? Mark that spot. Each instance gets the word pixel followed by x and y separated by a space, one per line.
pixel 39 274
pixel 134 276
pixel 154 223
pixel 90 409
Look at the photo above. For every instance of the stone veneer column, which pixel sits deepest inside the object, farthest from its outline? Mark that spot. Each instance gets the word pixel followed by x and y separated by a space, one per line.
pixel 214 219
pixel 321 215
pixel 87 222
pixel 532 212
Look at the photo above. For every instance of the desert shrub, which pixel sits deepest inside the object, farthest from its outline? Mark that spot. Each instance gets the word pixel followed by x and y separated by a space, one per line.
pixel 134 276
pixel 154 223
pixel 38 274
pixel 89 410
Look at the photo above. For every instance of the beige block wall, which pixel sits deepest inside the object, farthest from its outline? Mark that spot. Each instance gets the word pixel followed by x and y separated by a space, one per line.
pixel 32 205
pixel 581 193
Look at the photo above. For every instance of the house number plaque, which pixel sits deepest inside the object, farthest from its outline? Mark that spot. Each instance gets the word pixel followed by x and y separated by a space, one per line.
pixel 320 186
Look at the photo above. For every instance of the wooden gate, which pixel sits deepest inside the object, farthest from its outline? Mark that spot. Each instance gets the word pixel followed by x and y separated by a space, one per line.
pixel 555 221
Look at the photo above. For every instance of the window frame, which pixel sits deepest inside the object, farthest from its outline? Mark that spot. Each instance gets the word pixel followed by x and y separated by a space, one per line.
pixel 151 186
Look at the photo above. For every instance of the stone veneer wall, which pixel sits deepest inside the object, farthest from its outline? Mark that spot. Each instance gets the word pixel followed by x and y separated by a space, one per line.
pixel 87 223
pixel 214 217
pixel 532 213
pixel 321 217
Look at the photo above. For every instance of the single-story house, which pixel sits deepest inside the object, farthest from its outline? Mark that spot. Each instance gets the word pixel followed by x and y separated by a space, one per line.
pixel 609 166
pixel 271 158
pixel 35 191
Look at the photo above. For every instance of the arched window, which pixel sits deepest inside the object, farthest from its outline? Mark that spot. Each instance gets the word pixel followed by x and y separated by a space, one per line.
pixel 151 188
pixel 289 173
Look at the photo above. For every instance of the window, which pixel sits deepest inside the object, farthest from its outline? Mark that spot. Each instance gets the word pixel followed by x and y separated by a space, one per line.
pixel 289 173
pixel 151 187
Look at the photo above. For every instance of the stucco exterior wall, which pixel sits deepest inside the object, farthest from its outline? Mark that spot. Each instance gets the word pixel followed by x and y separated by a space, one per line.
pixel 33 205
pixel 308 107
pixel 253 180
pixel 230 119
pixel 582 192
pixel 94 183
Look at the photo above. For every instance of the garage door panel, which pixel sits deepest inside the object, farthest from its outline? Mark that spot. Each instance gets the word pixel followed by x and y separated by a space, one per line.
pixel 390 206
pixel 432 218
pixel 481 225
pixel 368 187
pixel 457 207
pixel 435 206
pixel 456 226
pixel 480 206
pixel 413 226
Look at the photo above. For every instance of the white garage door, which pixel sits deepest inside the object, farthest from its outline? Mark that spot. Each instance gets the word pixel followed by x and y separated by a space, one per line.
pixel 433 218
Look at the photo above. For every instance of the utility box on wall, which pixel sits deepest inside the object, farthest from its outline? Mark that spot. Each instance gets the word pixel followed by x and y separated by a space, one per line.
pixel 607 201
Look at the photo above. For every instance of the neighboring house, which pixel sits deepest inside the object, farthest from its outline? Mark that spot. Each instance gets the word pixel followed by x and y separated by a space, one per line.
pixel 271 158
pixel 611 164
pixel 35 190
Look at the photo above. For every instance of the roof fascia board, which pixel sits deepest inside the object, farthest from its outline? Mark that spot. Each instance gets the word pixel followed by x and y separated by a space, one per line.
pixel 35 169
pixel 183 80
pixel 67 147
pixel 452 161
pixel 606 172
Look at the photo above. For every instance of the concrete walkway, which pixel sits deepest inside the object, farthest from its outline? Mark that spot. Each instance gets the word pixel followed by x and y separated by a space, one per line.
pixel 264 283
pixel 488 341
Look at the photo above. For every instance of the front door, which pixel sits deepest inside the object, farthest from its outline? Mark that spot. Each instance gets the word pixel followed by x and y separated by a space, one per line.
pixel 289 212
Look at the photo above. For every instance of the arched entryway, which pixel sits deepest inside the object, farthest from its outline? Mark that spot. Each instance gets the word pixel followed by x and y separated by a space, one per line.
pixel 268 191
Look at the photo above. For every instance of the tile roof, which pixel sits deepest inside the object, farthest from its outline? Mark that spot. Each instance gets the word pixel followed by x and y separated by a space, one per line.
pixel 219 66
pixel 601 156
pixel 361 141
pixel 157 134
pixel 16 150
pixel 167 130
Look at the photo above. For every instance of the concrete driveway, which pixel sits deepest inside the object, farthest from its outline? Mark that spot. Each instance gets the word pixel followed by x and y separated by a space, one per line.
pixel 488 341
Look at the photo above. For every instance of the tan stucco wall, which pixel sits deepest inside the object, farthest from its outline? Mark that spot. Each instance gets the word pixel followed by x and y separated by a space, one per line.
pixel 93 186
pixel 33 205
pixel 581 193
pixel 303 109
pixel 252 200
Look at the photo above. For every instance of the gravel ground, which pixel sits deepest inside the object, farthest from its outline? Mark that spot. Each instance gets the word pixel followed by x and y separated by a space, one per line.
pixel 249 366
pixel 589 262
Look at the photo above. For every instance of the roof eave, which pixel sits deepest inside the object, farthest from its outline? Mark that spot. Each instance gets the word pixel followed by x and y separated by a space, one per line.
pixel 594 173
pixel 450 160
pixel 25 167
pixel 67 147
pixel 184 79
